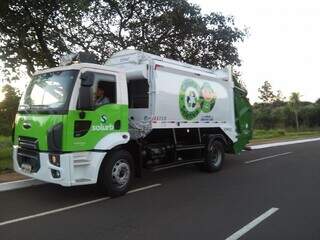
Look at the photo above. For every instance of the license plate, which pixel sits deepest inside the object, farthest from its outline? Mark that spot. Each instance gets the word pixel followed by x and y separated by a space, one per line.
pixel 26 167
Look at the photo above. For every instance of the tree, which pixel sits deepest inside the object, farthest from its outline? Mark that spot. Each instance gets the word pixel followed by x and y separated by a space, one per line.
pixel 279 97
pixel 309 113
pixel 266 93
pixel 36 33
pixel 294 105
pixel 238 81
pixel 31 32
pixel 261 116
pixel 8 108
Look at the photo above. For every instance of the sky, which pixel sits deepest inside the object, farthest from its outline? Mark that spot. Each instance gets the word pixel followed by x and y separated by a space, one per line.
pixel 282 47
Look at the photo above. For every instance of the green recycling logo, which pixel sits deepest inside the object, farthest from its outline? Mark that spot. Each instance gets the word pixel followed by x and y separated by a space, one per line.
pixel 189 99
pixel 193 99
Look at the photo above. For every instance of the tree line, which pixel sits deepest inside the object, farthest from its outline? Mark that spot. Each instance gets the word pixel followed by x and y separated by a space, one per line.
pixel 276 112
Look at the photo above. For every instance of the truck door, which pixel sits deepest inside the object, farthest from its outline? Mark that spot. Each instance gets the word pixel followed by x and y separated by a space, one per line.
pixel 107 113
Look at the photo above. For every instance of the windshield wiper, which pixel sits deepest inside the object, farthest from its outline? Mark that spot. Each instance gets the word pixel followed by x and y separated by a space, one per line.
pixel 40 106
pixel 52 110
pixel 44 109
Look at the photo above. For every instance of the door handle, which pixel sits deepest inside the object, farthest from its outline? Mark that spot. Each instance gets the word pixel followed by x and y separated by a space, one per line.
pixel 26 125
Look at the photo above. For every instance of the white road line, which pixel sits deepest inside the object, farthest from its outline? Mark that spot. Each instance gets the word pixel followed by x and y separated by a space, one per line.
pixel 267 145
pixel 252 224
pixel 72 206
pixel 267 157
pixel 144 188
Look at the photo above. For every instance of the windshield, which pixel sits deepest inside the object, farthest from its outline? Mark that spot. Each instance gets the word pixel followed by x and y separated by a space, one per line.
pixel 49 92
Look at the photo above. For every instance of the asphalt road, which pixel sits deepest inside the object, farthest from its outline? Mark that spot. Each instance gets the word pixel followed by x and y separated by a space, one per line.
pixel 189 204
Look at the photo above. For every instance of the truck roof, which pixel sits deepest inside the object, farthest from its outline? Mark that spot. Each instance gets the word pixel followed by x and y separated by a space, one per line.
pixel 129 57
pixel 78 66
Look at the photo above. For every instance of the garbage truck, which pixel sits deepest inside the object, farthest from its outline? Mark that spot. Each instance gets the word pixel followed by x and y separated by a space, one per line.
pixel 87 123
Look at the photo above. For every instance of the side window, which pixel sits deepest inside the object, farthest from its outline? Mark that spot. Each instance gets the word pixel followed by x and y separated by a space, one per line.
pixel 104 89
pixel 138 91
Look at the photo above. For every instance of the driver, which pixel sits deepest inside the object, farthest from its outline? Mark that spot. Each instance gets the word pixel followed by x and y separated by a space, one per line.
pixel 101 99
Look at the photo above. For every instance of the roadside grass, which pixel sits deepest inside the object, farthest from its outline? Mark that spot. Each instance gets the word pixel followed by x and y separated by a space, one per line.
pixel 281 134
pixel 5 154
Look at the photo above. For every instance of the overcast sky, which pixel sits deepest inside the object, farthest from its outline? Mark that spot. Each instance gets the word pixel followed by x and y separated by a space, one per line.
pixel 283 46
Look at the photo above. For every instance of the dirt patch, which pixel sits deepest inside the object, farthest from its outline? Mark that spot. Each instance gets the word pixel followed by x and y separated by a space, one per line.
pixel 11 176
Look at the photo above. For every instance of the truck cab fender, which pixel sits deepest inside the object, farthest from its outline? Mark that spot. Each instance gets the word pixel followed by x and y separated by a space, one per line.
pixel 109 143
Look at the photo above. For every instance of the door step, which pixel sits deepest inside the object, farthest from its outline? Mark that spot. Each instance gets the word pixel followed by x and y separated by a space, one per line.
pixel 189 147
pixel 175 164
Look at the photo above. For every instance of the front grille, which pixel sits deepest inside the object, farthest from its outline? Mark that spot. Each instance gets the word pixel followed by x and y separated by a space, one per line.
pixel 30 157
pixel 28 153
pixel 28 143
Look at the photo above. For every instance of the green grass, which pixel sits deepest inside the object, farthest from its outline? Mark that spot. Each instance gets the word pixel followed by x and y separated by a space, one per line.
pixel 5 153
pixel 280 134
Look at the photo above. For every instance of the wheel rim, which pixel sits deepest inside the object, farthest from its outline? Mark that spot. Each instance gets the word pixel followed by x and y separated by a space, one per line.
pixel 215 156
pixel 120 173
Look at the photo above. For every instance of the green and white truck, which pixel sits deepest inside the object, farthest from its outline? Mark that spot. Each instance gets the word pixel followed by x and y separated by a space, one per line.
pixel 84 123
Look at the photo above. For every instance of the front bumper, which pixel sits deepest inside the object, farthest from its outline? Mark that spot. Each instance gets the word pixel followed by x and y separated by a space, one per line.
pixel 77 168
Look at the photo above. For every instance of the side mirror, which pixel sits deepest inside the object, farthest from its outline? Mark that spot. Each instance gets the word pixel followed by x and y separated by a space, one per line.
pixel 87 79
pixel 85 99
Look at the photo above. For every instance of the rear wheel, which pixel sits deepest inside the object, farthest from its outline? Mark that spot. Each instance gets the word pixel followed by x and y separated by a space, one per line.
pixel 214 156
pixel 116 173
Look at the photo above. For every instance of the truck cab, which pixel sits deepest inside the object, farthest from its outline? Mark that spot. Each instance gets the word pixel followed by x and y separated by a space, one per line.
pixel 62 131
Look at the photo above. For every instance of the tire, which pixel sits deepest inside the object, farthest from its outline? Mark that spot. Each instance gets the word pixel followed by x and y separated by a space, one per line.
pixel 214 156
pixel 116 173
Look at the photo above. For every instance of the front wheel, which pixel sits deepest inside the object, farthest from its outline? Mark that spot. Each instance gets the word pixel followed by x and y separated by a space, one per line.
pixel 214 156
pixel 116 173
